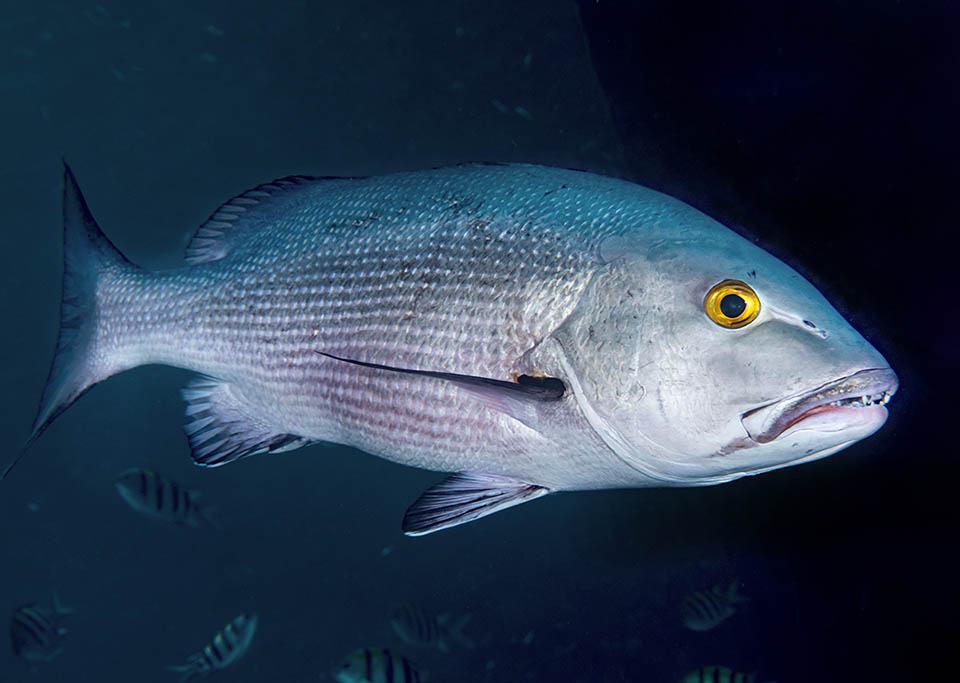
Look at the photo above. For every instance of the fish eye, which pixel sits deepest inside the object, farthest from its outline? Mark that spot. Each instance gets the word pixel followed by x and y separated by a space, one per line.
pixel 732 304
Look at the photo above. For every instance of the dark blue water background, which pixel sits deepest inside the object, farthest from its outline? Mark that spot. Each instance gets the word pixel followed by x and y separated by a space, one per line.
pixel 825 131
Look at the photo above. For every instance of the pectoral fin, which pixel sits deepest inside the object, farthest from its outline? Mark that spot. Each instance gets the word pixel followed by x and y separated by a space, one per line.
pixel 464 497
pixel 517 399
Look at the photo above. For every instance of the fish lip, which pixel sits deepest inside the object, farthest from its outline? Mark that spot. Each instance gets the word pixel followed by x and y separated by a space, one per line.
pixel 767 422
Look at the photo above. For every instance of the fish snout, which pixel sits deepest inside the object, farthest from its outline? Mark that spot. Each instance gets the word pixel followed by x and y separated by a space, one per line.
pixel 854 401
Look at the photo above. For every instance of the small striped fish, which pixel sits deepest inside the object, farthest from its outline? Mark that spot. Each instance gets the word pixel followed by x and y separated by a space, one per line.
pixel 718 674
pixel 36 632
pixel 420 628
pixel 155 496
pixel 707 609
pixel 227 647
pixel 376 665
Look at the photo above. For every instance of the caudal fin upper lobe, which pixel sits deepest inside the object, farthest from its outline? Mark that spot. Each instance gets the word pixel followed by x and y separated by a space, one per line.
pixel 87 255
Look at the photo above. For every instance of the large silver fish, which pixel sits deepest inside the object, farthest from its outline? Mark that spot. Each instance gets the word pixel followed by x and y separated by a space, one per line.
pixel 531 329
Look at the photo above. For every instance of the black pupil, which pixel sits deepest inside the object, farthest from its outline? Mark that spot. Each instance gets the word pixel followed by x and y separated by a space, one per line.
pixel 733 305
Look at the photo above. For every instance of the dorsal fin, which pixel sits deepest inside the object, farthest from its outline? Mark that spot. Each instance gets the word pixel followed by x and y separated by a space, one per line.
pixel 237 217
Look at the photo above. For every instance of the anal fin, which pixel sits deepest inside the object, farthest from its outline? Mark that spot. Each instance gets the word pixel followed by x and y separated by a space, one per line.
pixel 222 428
pixel 464 497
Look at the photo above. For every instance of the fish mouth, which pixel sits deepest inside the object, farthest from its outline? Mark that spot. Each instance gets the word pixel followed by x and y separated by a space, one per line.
pixel 851 401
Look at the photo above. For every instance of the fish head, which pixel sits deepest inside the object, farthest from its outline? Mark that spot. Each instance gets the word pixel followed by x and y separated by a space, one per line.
pixel 353 668
pixel 700 358
pixel 128 486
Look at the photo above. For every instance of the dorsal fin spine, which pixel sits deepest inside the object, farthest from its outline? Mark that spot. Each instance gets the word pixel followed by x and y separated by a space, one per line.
pixel 214 239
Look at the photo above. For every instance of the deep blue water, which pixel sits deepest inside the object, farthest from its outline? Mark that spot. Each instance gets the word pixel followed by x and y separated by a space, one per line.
pixel 824 131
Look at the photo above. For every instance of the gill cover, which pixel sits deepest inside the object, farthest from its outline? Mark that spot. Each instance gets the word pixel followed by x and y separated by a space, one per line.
pixel 600 350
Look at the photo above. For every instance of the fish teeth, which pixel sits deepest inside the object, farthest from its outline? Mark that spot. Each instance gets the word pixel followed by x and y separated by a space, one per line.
pixel 861 401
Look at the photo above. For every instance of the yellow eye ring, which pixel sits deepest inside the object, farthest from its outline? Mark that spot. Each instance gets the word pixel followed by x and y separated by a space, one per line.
pixel 732 304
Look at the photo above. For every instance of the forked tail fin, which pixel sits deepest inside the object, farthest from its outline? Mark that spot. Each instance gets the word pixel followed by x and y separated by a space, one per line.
pixel 734 596
pixel 206 513
pixel 87 255
pixel 456 632
pixel 59 607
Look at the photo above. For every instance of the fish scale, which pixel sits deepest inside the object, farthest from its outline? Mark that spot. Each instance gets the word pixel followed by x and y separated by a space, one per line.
pixel 530 329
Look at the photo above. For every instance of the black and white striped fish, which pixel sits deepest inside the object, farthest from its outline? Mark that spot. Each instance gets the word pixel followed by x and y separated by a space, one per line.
pixel 227 647
pixel 376 665
pixel 718 674
pixel 37 631
pixel 707 609
pixel 156 496
pixel 420 628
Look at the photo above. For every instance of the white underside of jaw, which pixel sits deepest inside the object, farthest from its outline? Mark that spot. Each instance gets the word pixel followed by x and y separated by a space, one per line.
pixel 839 418
pixel 809 457
pixel 813 438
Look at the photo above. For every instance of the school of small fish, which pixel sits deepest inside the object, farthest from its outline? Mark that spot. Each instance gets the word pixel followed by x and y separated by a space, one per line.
pixel 37 634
